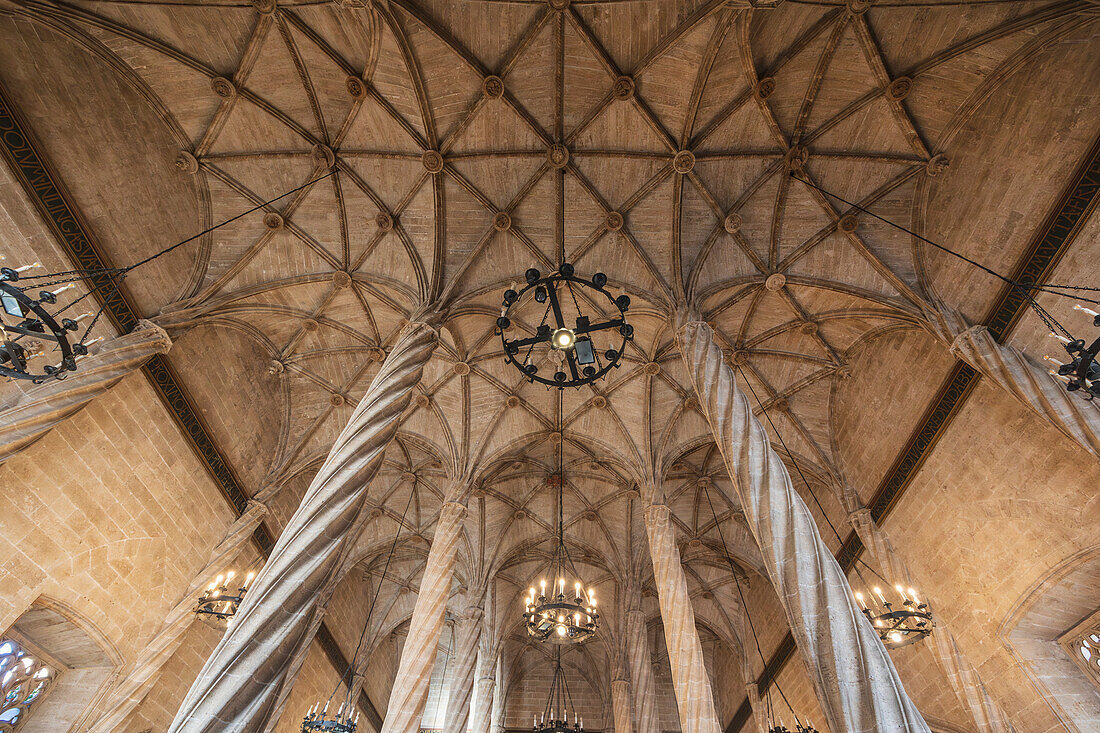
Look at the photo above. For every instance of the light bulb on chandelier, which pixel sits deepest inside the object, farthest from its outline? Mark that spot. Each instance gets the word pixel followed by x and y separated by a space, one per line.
pixel 221 603
pixel 903 621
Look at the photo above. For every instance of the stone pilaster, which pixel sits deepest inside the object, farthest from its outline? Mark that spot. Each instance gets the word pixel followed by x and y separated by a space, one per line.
pixel 987 715
pixel 853 676
pixel 467 637
pixel 620 705
pixel 142 673
pixel 42 407
pixel 1028 381
pixel 239 685
pixel 690 681
pixel 759 712
pixel 414 673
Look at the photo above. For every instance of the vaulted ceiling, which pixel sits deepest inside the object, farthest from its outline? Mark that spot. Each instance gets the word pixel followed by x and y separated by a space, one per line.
pixel 675 146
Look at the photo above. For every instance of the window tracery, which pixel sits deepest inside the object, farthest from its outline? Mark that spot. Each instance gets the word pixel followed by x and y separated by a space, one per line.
pixel 25 678
pixel 1085 647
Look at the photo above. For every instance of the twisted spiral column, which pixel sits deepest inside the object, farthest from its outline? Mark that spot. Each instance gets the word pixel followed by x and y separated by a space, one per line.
pixel 1028 381
pixel 987 715
pixel 620 705
pixel 238 687
pixel 414 673
pixel 41 408
pixel 690 681
pixel 128 693
pixel 855 680
pixel 462 687
pixel 640 661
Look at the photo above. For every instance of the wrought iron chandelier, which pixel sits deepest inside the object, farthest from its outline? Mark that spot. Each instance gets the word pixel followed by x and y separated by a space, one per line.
pixel 798 728
pixel 903 622
pixel 570 339
pixel 564 613
pixel 35 343
pixel 221 602
pixel 559 705
pixel 1081 373
pixel 342 721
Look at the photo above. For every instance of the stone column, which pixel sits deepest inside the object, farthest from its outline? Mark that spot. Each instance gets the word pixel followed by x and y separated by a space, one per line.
pixel 238 687
pixel 486 671
pixel 987 715
pixel 690 681
pixel 414 673
pixel 1028 381
pixel 42 407
pixel 483 704
pixel 620 705
pixel 853 676
pixel 142 673
pixel 642 687
pixel 500 687
pixel 467 637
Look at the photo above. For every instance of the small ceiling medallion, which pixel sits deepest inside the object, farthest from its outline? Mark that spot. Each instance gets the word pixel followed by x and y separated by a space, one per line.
pixel 652 369
pixel 492 87
pixel 599 402
pixel 502 222
pixel 808 328
pixel 683 162
pixel 936 165
pixel 739 357
pixel 323 155
pixel 613 221
pixel 764 88
pixel 187 162
pixel 796 158
pixel 384 221
pixel 264 7
pixel 732 223
pixel 433 161
pixel 341 279
pixel 775 281
pixel 310 324
pixel 355 86
pixel 848 223
pixel 558 4
pixel 376 353
pixel 899 88
pixel 337 400
pixel 223 87
pixel 422 401
pixel 512 401
pixel 623 88
pixel 273 221
pixel 557 155
pixel 858 7
pixel 461 368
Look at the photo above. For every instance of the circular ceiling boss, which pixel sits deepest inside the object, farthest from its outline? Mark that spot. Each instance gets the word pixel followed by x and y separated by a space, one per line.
pixel 578 338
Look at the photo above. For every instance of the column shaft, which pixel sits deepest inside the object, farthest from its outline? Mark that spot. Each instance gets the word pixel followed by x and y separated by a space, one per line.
pixel 462 686
pixel 855 679
pixel 987 715
pixel 414 673
pixel 132 688
pixel 640 659
pixel 239 685
pixel 41 408
pixel 690 681
pixel 620 706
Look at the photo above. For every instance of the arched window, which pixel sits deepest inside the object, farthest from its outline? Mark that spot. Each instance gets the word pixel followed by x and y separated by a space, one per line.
pixel 1085 646
pixel 25 678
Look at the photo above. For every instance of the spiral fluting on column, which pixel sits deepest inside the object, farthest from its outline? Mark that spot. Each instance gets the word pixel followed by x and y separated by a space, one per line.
pixel 855 679
pixel 238 686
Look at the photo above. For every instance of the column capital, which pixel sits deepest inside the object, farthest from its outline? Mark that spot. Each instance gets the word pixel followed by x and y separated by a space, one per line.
pixel 453 510
pixel 655 513
pixel 686 314
pixel 431 315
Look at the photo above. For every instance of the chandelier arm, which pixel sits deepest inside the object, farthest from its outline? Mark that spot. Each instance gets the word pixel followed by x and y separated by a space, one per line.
pixel 552 292
pixel 581 330
pixel 536 339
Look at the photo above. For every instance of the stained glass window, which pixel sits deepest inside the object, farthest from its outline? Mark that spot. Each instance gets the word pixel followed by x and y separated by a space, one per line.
pixel 24 680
